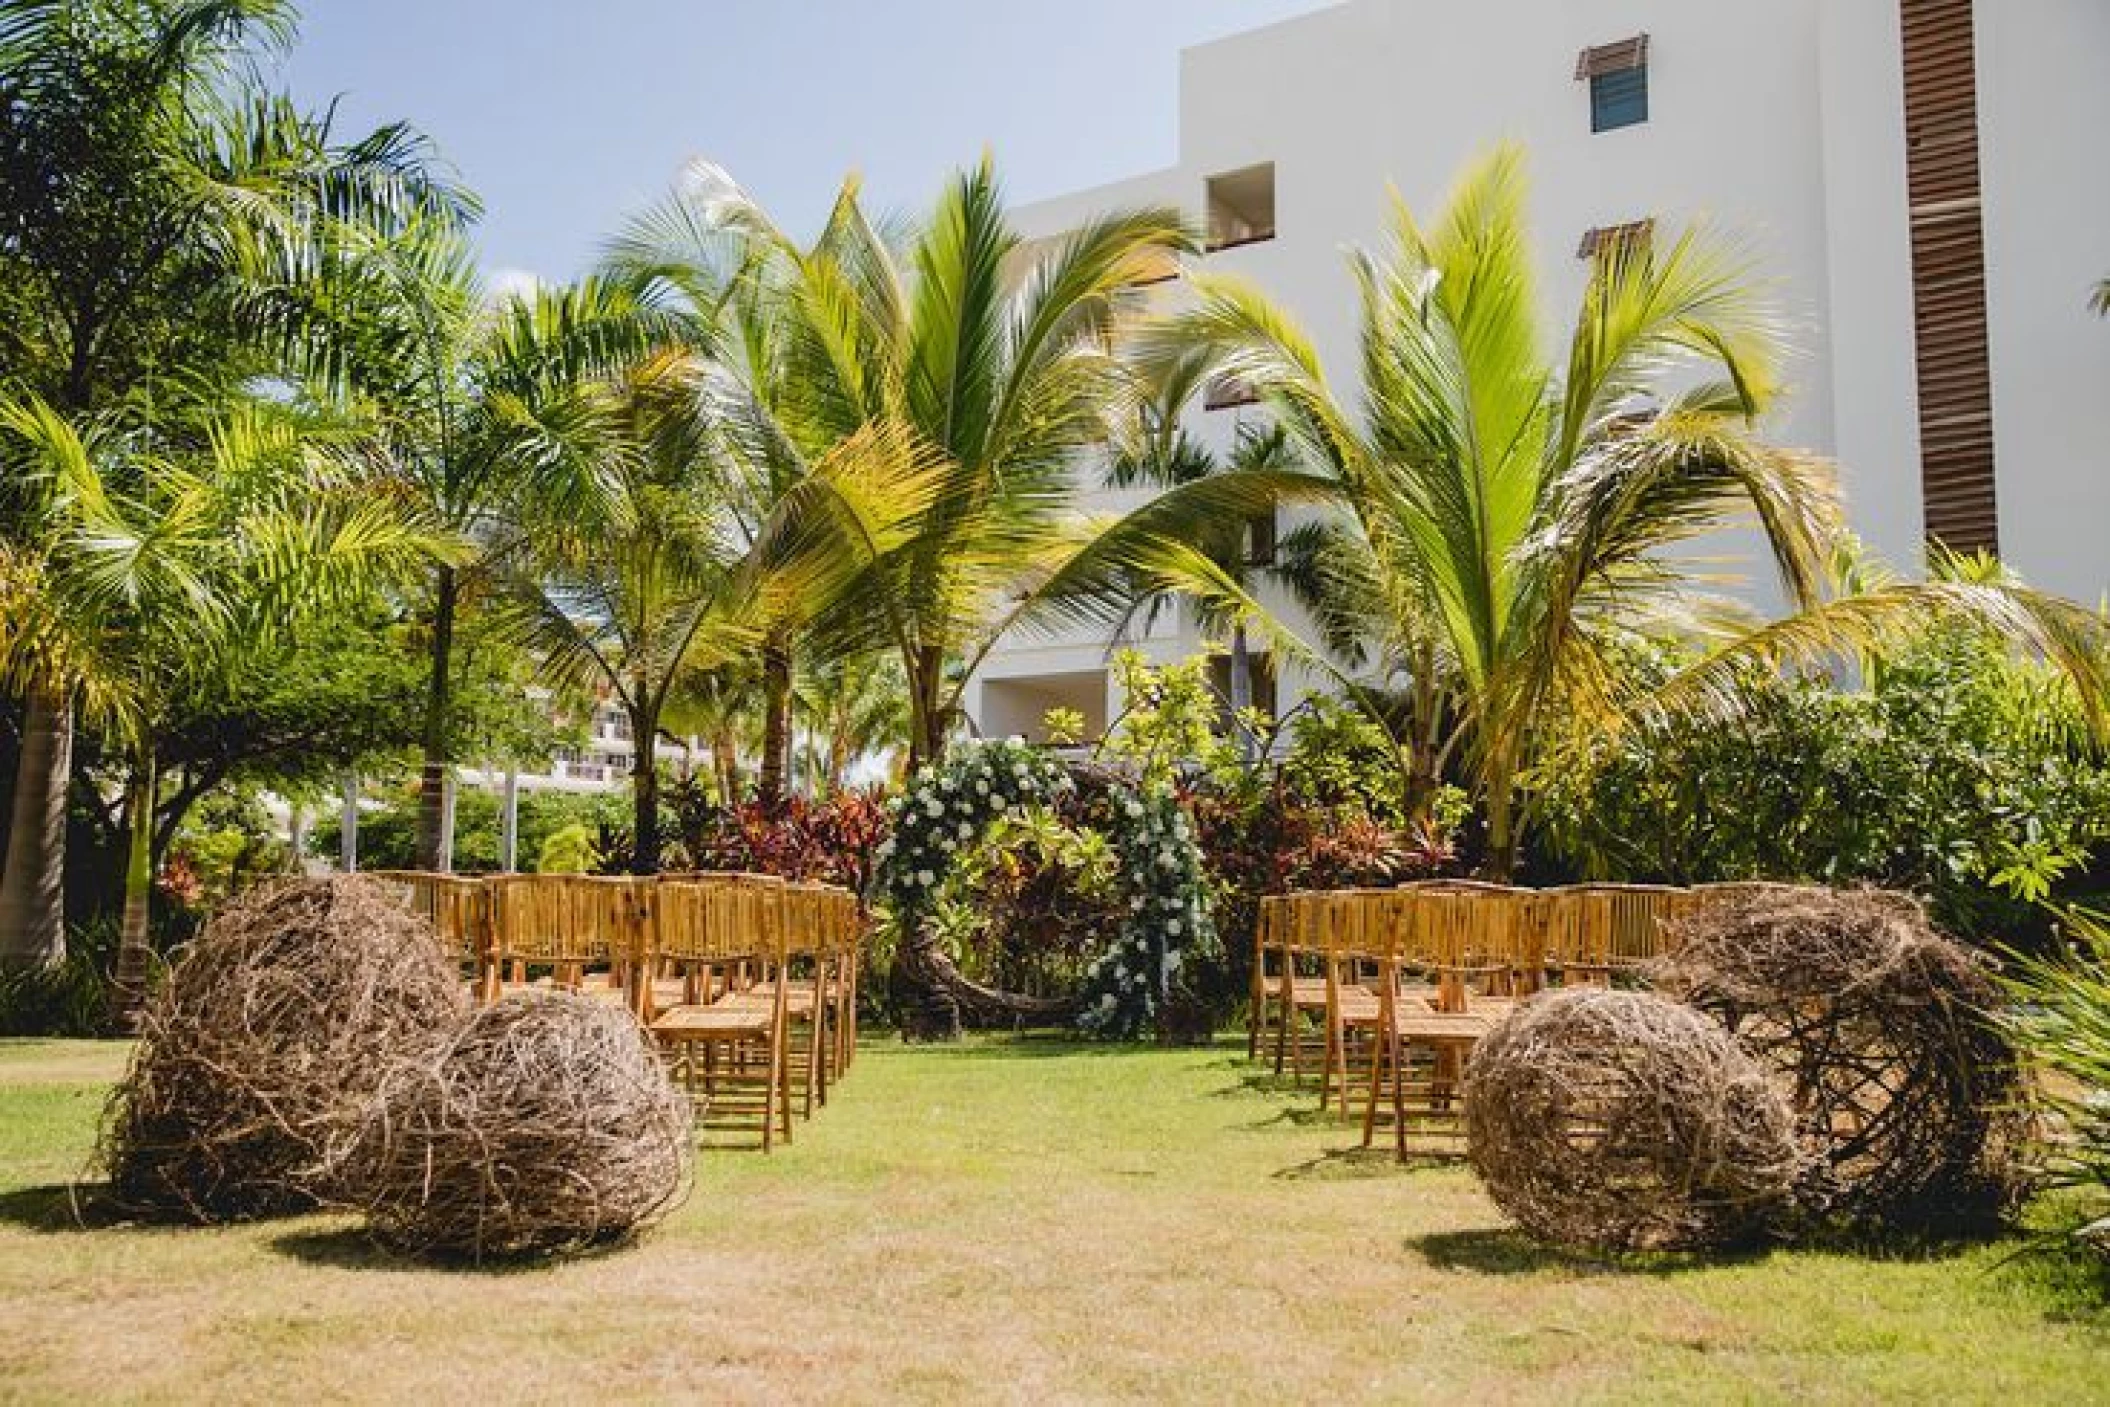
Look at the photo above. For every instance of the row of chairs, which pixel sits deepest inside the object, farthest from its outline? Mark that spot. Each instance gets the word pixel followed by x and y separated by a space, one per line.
pixel 1383 993
pixel 748 982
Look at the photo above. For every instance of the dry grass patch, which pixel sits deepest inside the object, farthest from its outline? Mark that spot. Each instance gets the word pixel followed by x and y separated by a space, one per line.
pixel 1022 1221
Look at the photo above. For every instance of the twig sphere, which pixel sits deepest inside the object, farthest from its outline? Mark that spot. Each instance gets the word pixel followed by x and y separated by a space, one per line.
pixel 1621 1121
pixel 258 1054
pixel 1879 1032
pixel 545 1126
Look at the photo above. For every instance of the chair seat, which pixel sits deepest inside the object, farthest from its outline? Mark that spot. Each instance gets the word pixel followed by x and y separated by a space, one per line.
pixel 723 1019
pixel 1444 1027
pixel 1307 991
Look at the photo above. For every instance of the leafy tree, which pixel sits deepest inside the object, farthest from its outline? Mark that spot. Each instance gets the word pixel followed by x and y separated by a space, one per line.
pixel 150 186
pixel 159 566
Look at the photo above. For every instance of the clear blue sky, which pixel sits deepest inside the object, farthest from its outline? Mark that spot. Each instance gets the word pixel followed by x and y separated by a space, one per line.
pixel 565 115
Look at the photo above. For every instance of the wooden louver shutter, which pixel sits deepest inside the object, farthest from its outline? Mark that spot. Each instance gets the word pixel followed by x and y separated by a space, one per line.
pixel 1948 275
pixel 1612 58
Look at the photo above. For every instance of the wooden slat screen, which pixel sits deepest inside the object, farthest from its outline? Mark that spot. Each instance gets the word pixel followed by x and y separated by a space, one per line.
pixel 1948 275
pixel 1635 234
pixel 1612 58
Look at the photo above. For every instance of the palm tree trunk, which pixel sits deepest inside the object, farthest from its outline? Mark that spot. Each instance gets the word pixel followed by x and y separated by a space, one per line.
pixel 644 794
pixel 33 886
pixel 1241 689
pixel 725 767
pixel 926 681
pixel 1422 727
pixel 128 991
pixel 432 781
pixel 1501 859
pixel 776 720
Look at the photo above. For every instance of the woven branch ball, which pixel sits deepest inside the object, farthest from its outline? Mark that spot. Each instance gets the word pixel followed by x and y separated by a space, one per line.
pixel 259 1053
pixel 1621 1121
pixel 1879 1032
pixel 545 1126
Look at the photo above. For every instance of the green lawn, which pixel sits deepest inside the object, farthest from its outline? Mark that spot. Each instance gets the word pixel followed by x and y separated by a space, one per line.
pixel 1025 1221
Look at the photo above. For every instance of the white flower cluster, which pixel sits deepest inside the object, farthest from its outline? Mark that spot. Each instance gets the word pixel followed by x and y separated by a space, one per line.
pixel 947 807
pixel 1167 916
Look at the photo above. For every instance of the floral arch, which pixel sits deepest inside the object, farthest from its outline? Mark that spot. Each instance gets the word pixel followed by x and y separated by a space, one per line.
pixel 949 807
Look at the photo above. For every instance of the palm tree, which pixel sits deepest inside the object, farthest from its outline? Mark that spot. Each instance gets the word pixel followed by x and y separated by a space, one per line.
pixel 479 421
pixel 159 566
pixel 854 708
pixel 661 583
pixel 146 177
pixel 1507 518
pixel 1500 508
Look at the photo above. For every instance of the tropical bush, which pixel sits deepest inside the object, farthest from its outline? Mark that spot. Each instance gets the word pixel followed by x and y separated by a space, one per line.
pixel 2061 1019
pixel 1956 771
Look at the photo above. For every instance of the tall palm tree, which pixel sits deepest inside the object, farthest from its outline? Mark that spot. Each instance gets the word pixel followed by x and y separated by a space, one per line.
pixel 854 708
pixel 481 419
pixel 1501 507
pixel 1507 516
pixel 155 565
pixel 146 176
pixel 663 582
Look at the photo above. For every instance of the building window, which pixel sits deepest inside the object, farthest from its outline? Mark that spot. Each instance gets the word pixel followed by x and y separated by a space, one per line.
pixel 1226 393
pixel 1608 244
pixel 1618 79
pixel 1242 206
pixel 1260 540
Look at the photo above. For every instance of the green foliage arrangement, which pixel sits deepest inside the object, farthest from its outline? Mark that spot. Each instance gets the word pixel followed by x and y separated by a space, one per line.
pixel 1957 772
pixel 568 851
pixel 2061 1018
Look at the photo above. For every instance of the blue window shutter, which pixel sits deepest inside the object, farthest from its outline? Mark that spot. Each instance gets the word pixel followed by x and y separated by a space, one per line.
pixel 1618 99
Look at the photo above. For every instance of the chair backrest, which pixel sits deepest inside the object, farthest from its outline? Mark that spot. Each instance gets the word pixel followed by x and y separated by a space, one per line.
pixel 455 905
pixel 1623 924
pixel 552 918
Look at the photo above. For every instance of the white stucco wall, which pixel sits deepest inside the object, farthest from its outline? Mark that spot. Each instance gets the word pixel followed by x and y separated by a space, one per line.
pixel 1781 123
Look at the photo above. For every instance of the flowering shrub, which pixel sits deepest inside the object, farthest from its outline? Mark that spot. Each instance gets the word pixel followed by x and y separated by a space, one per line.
pixel 1167 915
pixel 950 808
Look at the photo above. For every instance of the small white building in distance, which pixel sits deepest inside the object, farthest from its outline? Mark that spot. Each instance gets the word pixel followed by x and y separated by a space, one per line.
pixel 1921 178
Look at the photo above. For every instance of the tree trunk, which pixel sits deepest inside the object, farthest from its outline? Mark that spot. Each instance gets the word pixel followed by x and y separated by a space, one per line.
pixel 348 827
pixel 33 885
pixel 927 720
pixel 509 823
pixel 932 993
pixel 432 781
pixel 128 991
pixel 1422 728
pixel 1501 861
pixel 725 768
pixel 776 721
pixel 1242 690
pixel 644 792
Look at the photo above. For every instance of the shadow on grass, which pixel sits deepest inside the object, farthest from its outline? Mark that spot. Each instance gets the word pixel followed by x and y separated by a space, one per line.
pixel 1039 1045
pixel 350 1248
pixel 1503 1251
pixel 61 1207
pixel 1358 1164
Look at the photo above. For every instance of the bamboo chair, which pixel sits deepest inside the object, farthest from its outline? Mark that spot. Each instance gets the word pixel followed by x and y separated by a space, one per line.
pixel 1421 1046
pixel 844 932
pixel 729 1048
pixel 457 907
pixel 558 922
pixel 807 949
pixel 1270 941
pixel 1350 942
pixel 1298 996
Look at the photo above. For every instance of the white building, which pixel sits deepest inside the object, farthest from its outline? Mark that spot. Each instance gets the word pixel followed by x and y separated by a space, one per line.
pixel 1935 241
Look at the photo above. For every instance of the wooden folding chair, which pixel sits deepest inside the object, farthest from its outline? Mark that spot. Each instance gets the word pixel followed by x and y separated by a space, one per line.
pixel 1614 930
pixel 568 924
pixel 1350 945
pixel 1298 996
pixel 457 907
pixel 728 1048
pixel 1424 1038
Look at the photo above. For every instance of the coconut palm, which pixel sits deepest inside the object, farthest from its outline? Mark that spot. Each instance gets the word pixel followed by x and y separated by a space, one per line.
pixel 147 180
pixel 854 708
pixel 1508 517
pixel 1501 507
pixel 481 416
pixel 662 582
pixel 161 564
